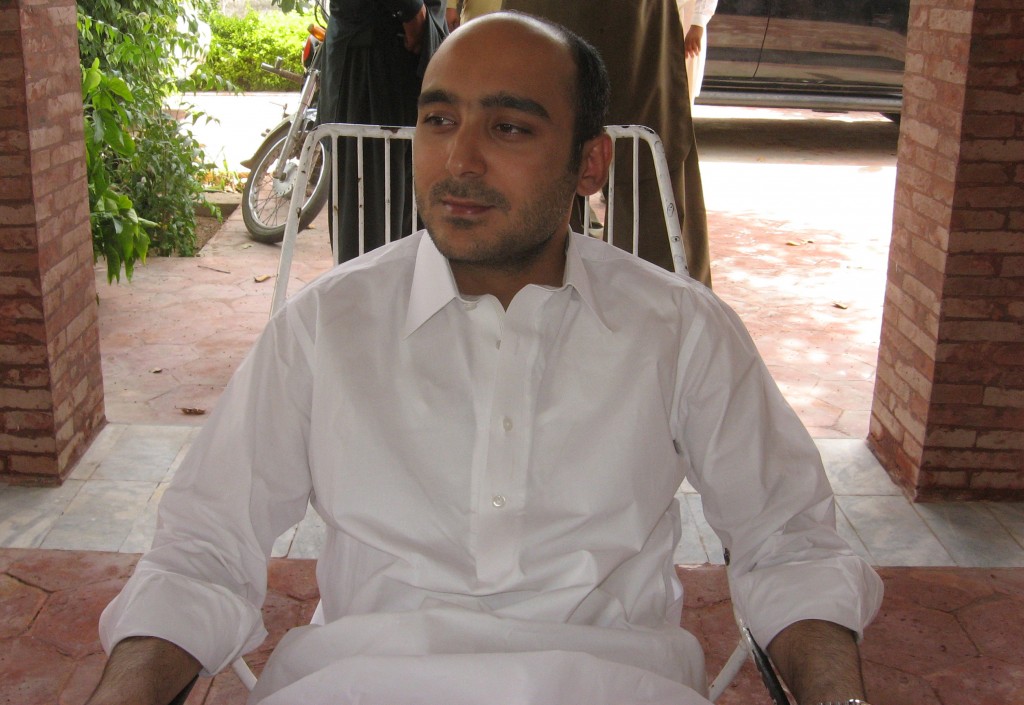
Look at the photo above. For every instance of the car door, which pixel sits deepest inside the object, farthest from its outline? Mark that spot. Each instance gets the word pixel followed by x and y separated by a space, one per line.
pixel 735 36
pixel 852 45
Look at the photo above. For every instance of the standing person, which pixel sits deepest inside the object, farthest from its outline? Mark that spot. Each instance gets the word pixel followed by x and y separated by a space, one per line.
pixel 695 15
pixel 377 51
pixel 643 49
pixel 493 417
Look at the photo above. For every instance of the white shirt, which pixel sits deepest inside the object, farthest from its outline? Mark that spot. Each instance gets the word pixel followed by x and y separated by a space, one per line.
pixel 497 487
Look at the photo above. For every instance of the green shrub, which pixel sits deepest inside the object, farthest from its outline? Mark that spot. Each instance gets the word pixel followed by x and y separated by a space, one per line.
pixel 144 171
pixel 241 44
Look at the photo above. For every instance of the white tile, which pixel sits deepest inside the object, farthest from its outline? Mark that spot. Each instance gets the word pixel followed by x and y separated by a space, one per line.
pixel 309 536
pixel 144 453
pixel 690 550
pixel 101 515
pixel 893 533
pixel 853 469
pixel 97 451
pixel 708 537
pixel 28 513
pixel 847 532
pixel 140 536
pixel 1011 516
pixel 283 543
pixel 972 535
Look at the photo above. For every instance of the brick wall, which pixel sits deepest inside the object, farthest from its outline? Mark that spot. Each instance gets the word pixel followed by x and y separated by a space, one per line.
pixel 948 414
pixel 51 388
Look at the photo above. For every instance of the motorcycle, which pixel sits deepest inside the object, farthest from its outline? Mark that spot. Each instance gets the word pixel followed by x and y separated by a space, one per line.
pixel 267 193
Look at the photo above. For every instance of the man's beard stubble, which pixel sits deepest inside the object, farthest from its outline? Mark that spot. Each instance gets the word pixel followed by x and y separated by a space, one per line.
pixel 525 238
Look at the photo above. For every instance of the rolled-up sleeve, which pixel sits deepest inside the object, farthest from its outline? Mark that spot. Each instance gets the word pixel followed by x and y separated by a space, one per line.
pixel 245 480
pixel 763 486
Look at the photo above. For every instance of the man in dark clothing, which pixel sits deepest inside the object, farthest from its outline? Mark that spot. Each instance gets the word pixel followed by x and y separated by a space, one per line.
pixel 642 45
pixel 377 51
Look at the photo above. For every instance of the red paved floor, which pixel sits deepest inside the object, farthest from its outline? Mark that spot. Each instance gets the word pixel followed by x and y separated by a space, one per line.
pixel 945 636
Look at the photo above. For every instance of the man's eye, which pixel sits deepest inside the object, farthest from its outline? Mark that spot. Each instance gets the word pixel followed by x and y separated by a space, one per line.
pixel 508 128
pixel 436 120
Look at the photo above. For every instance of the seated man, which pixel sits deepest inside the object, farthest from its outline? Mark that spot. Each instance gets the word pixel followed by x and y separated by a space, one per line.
pixel 492 416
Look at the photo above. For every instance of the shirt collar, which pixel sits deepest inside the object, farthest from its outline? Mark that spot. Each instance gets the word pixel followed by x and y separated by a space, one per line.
pixel 433 285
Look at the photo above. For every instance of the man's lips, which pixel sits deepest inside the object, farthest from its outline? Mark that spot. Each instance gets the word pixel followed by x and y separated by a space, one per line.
pixel 463 208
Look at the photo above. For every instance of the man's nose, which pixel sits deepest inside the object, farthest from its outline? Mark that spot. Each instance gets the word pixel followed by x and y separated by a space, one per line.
pixel 465 157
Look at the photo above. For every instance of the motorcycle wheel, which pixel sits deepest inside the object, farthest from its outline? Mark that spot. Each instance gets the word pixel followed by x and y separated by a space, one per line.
pixel 265 203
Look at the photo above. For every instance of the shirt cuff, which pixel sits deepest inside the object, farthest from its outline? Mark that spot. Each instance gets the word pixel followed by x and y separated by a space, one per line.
pixel 843 589
pixel 213 625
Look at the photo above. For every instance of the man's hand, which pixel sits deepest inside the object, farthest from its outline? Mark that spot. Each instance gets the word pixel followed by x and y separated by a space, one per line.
pixel 692 40
pixel 414 30
pixel 819 661
pixel 144 671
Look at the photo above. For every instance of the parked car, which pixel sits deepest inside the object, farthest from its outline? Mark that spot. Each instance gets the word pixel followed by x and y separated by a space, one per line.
pixel 819 54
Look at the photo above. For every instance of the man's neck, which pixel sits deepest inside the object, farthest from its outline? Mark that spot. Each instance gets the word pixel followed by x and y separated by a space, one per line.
pixel 503 282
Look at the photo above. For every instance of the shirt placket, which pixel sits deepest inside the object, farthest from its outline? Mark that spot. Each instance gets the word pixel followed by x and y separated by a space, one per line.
pixel 501 500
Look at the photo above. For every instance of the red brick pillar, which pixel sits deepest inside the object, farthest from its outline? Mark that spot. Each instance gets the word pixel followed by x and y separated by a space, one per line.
pixel 51 387
pixel 948 414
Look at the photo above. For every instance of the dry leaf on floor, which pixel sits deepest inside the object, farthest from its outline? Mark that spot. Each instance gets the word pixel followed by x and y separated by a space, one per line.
pixel 157 370
pixel 840 304
pixel 261 278
pixel 192 411
pixel 794 243
pixel 246 246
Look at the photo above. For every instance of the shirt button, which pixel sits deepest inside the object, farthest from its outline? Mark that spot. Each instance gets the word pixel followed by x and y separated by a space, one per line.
pixel 498 501
pixel 506 423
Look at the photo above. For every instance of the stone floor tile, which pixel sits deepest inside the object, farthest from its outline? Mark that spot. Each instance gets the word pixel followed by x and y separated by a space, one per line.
pixel 690 550
pixel 54 570
pixel 143 452
pixel 1011 516
pixel 32 672
pixel 972 534
pixel 983 681
pixel 893 532
pixel 140 536
pixel 996 626
pixel 68 621
pixel 283 543
pixel 98 450
pixel 28 513
pixel 19 605
pixel 709 539
pixel 101 515
pixel 915 639
pixel 847 532
pixel 309 536
pixel 853 469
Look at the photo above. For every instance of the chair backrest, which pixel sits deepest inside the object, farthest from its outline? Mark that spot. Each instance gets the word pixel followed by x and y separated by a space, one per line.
pixel 332 132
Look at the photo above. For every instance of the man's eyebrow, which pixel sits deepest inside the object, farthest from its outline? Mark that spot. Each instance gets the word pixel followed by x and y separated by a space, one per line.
pixel 515 102
pixel 435 96
pixel 497 100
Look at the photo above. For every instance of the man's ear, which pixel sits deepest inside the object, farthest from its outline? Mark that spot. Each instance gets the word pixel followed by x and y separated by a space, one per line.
pixel 594 163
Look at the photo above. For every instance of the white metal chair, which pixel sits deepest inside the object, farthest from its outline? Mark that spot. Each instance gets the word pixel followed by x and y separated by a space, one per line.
pixel 333 132
pixel 746 648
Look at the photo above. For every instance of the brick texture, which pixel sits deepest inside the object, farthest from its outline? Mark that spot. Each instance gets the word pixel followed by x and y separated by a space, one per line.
pixel 51 388
pixel 948 413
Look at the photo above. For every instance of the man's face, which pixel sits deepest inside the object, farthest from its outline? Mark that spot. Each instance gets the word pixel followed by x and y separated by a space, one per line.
pixel 492 146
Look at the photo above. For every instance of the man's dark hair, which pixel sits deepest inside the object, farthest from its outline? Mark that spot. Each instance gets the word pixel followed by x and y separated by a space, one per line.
pixel 592 90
